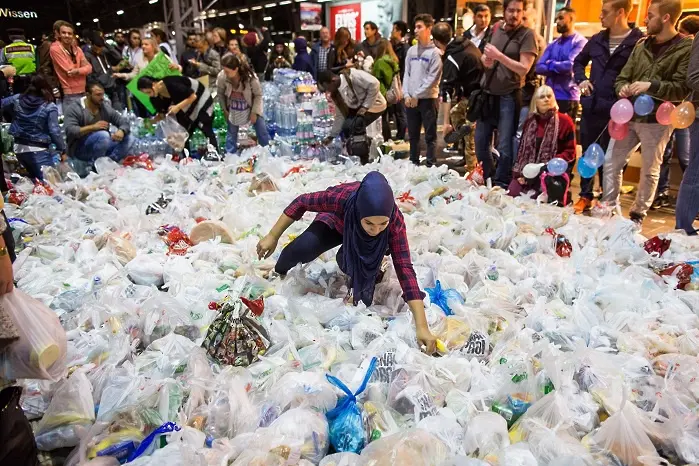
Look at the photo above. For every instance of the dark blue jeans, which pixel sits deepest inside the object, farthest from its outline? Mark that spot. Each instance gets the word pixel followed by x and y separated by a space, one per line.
pixel 680 143
pixel 687 206
pixel 591 126
pixel 425 114
pixel 33 161
pixel 232 135
pixel 506 126
pixel 310 244
pixel 100 144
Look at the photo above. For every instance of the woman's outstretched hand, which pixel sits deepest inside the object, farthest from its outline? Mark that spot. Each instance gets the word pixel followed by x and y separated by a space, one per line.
pixel 267 246
pixel 426 339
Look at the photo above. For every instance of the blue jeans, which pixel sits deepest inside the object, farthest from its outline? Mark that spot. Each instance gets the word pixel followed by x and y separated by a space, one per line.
pixel 687 206
pixel 33 161
pixel 591 126
pixel 506 127
pixel 680 142
pixel 523 114
pixel 232 135
pixel 425 114
pixel 100 144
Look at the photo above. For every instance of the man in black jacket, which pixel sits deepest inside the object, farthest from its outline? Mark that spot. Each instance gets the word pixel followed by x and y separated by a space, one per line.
pixel 400 47
pixel 461 76
pixel 481 30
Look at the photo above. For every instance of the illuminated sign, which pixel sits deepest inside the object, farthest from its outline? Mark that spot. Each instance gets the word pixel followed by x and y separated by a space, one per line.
pixel 7 13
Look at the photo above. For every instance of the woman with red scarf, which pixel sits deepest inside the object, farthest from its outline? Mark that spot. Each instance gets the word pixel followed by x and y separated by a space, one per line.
pixel 546 134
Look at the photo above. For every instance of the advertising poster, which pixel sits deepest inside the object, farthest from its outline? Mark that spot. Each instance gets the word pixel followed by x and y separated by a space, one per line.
pixel 353 15
pixel 311 16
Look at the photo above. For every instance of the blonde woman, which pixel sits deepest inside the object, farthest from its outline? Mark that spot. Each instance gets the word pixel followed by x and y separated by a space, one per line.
pixel 547 133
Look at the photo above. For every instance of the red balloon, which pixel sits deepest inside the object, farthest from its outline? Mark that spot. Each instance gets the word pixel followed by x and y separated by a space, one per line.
pixel 664 113
pixel 618 131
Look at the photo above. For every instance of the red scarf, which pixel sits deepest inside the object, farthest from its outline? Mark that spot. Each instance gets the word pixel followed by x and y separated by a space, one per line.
pixel 549 144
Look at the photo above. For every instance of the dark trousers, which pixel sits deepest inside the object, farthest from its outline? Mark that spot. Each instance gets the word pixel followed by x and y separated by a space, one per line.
pixel 310 244
pixel 591 126
pixel 425 114
pixel 569 107
pixel 398 112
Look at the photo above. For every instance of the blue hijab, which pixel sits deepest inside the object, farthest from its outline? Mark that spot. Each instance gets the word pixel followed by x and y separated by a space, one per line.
pixel 361 254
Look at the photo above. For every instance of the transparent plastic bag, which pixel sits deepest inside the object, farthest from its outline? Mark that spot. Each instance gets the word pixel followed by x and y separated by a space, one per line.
pixel 341 459
pixel 486 434
pixel 414 447
pixel 69 416
pixel 174 134
pixel 40 352
pixel 304 390
pixel 146 270
pixel 304 431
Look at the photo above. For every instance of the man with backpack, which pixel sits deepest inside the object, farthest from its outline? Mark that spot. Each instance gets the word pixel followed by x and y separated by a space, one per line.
pixel 358 103
pixel 461 74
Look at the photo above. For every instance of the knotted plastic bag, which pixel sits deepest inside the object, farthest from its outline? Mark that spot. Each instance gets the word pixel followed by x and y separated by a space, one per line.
pixel 346 425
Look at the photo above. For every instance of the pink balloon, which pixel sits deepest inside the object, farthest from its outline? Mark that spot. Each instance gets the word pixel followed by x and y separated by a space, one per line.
pixel 622 111
pixel 618 132
pixel 664 112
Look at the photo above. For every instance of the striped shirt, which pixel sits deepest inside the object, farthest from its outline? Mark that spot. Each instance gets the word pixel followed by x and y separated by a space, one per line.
pixel 615 41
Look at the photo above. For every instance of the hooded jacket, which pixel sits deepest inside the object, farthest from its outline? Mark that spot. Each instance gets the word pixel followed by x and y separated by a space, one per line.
pixel 101 70
pixel 423 72
pixel 604 70
pixel 303 61
pixel 556 64
pixel 463 69
pixel 371 50
pixel 35 121
pixel 384 69
pixel 667 73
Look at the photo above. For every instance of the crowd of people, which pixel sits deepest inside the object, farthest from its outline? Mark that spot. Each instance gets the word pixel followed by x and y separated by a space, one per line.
pixel 516 102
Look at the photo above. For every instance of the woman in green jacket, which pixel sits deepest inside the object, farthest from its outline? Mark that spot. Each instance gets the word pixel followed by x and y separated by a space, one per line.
pixel 385 68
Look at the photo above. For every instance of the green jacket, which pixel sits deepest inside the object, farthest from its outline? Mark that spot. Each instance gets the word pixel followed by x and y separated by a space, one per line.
pixel 667 74
pixel 22 56
pixel 384 70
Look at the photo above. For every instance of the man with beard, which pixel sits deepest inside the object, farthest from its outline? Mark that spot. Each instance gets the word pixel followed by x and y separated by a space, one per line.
pixel 557 62
pixel 507 59
pixel 657 67
pixel 120 42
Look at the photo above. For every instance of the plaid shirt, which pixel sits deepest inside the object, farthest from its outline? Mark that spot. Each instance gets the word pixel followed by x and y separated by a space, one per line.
pixel 323 58
pixel 331 205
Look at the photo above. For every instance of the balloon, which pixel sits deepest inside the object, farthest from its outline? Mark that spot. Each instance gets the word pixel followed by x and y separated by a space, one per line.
pixel 594 155
pixel 683 116
pixel 617 131
pixel 643 105
pixel 622 111
pixel 557 166
pixel 585 169
pixel 664 113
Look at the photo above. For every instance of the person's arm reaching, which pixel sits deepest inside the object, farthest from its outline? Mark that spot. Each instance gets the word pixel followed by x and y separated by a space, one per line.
pixel 181 105
pixel 527 55
pixel 214 68
pixel 371 87
pixel 331 200
pixel 400 253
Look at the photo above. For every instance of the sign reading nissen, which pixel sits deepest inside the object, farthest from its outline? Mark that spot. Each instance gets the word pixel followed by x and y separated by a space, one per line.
pixel 7 13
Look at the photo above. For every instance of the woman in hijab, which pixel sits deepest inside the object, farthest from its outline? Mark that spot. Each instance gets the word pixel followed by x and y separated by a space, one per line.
pixel 364 220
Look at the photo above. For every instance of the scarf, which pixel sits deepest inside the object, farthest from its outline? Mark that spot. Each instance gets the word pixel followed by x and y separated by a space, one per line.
pixel 361 255
pixel 549 144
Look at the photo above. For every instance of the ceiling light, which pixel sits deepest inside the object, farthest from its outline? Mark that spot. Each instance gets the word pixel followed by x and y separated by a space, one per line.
pixel 255 8
pixel 267 18
pixel 232 12
pixel 96 20
pixel 285 2
pixel 173 33
pixel 244 10
pixel 223 13
pixel 270 5
pixel 240 25
pixel 152 1
pixel 120 12
pixel 78 23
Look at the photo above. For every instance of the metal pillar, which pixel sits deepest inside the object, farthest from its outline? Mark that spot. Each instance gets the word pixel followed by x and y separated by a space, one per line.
pixel 181 17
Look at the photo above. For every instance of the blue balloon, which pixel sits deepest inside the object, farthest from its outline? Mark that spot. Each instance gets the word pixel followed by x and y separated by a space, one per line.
pixel 557 166
pixel 594 155
pixel 585 169
pixel 643 105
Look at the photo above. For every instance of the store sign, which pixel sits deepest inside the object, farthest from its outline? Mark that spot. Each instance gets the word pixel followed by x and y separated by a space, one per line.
pixel 7 13
pixel 353 15
pixel 311 16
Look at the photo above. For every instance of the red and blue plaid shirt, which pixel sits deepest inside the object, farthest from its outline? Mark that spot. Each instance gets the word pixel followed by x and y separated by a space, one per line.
pixel 330 205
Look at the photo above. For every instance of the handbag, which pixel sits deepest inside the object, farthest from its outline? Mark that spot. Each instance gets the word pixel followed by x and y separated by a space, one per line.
pixel 478 98
pixel 357 143
pixel 395 93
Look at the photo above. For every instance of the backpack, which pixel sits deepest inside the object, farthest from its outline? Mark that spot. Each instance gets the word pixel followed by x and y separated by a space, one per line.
pixel 394 94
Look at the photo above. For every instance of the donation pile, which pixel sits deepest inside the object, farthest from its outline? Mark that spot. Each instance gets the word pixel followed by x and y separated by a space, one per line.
pixel 563 340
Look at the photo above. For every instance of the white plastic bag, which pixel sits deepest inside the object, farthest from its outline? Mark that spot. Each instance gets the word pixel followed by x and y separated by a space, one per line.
pixel 173 133
pixel 40 353
pixel 146 270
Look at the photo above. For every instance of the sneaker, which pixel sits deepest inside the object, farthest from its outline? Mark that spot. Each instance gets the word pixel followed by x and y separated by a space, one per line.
pixel 583 205
pixel 457 135
pixel 661 200
pixel 637 219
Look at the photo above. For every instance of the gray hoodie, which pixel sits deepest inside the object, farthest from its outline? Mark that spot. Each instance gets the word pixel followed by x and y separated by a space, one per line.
pixel 423 71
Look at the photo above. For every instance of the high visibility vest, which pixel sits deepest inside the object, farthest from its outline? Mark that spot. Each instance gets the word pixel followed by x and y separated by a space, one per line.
pixel 22 56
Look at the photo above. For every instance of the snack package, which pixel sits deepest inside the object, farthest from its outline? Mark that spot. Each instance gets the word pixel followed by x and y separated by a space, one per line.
pixel 235 337
pixel 345 420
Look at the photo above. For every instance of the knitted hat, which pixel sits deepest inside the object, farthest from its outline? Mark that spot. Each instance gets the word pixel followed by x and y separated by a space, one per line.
pixel 250 39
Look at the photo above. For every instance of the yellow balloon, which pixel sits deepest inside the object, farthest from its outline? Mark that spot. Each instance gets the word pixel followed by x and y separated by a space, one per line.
pixel 683 115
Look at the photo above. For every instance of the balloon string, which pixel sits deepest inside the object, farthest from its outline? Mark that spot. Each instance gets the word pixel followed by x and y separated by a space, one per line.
pixel 600 134
pixel 671 101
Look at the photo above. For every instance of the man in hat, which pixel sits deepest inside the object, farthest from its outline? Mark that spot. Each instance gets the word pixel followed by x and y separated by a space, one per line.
pixel 22 56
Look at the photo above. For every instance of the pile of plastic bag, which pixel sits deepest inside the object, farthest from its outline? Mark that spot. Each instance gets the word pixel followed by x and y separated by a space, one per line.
pixel 564 340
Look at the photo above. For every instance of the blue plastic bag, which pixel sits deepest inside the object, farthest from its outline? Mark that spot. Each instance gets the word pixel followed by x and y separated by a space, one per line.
pixel 345 420
pixel 441 296
pixel 148 445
